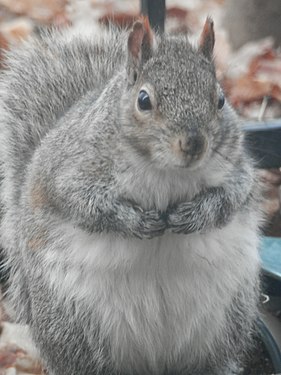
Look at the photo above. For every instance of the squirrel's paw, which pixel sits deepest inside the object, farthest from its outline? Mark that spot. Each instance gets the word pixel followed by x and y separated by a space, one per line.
pixel 183 219
pixel 150 224
pixel 143 224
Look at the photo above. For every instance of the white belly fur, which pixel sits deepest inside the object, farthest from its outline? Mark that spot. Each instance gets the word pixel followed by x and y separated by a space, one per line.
pixel 158 297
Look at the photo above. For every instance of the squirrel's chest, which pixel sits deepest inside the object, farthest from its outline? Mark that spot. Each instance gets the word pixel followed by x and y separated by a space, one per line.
pixel 153 298
pixel 157 189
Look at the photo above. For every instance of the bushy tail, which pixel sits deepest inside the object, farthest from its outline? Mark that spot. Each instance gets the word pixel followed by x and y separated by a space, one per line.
pixel 43 79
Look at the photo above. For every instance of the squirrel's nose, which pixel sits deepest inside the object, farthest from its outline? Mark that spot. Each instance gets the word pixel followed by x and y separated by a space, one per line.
pixel 192 144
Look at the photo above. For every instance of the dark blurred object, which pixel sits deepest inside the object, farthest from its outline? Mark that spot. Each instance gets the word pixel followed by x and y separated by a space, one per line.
pixel 264 142
pixel 248 20
pixel 270 345
pixel 155 9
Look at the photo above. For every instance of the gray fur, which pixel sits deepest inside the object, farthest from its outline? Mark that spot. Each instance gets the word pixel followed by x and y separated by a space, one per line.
pixel 81 163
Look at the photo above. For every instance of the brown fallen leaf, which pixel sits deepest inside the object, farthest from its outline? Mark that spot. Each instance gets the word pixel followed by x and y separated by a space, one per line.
pixel 247 89
pixel 40 10
pixel 16 30
pixel 124 20
pixel 9 354
pixel 177 12
pixel 257 62
pixel 262 79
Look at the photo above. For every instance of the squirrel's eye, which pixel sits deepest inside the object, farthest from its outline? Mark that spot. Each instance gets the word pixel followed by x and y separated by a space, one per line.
pixel 144 101
pixel 221 101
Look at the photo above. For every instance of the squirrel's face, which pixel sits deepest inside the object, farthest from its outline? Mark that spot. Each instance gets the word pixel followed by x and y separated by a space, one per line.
pixel 173 106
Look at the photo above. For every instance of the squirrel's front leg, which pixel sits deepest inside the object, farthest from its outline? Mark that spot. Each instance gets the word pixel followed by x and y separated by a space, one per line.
pixel 126 219
pixel 209 209
pixel 96 209
pixel 214 207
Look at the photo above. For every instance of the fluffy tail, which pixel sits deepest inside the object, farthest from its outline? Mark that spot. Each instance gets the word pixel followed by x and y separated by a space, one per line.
pixel 43 79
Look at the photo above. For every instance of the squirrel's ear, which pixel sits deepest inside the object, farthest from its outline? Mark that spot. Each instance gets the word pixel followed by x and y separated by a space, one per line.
pixel 207 39
pixel 140 43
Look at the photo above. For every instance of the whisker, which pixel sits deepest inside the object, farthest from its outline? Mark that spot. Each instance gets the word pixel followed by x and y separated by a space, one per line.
pixel 223 156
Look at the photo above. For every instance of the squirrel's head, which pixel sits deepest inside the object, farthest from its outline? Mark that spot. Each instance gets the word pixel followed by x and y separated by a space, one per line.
pixel 172 107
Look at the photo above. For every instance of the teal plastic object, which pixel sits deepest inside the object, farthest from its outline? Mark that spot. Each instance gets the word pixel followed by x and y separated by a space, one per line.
pixel 270 252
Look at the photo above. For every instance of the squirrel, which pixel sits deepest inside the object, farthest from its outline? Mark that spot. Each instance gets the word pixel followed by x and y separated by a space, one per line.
pixel 131 208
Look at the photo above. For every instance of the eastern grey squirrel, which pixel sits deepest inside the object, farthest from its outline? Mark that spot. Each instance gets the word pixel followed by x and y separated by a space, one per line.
pixel 130 205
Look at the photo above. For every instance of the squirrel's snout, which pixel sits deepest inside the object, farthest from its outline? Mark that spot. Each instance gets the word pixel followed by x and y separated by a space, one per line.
pixel 193 145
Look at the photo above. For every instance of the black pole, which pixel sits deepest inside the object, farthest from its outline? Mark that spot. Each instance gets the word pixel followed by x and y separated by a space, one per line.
pixel 155 10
